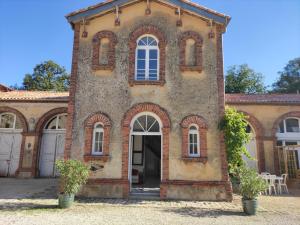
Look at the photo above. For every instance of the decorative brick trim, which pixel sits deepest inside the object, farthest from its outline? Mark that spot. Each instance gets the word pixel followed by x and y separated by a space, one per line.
pixel 198 51
pixel 107 181
pixel 128 116
pixel 259 136
pixel 274 131
pixel 39 133
pixel 202 129
pixel 147 29
pixel 72 92
pixel 21 117
pixel 221 99
pixel 89 123
pixel 111 52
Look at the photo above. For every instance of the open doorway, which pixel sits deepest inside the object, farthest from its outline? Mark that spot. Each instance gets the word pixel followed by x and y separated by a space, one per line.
pixel 145 153
pixel 146 161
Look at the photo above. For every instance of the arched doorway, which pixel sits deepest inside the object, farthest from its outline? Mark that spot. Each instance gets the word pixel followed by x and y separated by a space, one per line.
pixel 288 145
pixel 145 153
pixel 10 143
pixel 251 147
pixel 52 145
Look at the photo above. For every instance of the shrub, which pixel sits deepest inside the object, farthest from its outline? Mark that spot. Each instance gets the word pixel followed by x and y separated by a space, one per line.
pixel 73 174
pixel 234 126
pixel 250 183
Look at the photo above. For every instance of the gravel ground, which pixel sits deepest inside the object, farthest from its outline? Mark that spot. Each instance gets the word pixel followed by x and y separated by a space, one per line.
pixel 40 207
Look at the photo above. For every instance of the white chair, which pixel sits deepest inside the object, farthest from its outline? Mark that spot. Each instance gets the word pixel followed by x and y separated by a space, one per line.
pixel 265 173
pixel 282 184
pixel 272 187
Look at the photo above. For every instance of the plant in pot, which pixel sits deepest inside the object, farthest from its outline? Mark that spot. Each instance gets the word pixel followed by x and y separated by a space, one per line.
pixel 250 187
pixel 73 174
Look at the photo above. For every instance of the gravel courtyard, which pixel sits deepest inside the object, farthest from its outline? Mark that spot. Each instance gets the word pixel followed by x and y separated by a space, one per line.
pixel 34 202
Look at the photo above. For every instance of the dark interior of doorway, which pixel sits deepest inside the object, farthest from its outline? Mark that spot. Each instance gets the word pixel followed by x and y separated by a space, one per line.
pixel 146 161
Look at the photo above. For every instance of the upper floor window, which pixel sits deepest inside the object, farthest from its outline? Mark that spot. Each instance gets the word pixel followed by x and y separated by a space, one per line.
pixel 9 121
pixel 289 125
pixel 98 135
pixel 194 141
pixel 147 59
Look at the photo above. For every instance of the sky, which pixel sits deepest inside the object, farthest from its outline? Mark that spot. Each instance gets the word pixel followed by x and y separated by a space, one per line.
pixel 265 34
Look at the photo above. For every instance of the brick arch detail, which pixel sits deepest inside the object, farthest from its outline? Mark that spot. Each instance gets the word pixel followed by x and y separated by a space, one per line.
pixel 111 52
pixel 274 130
pixel 198 51
pixel 22 118
pixel 125 126
pixel 46 117
pixel 202 129
pixel 98 117
pixel 39 133
pixel 153 30
pixel 259 135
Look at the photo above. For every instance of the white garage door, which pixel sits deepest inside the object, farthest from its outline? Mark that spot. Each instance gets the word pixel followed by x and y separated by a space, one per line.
pixel 52 145
pixel 251 147
pixel 10 144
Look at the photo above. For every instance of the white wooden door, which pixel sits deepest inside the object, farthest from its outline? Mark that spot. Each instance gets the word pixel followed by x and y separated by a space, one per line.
pixel 10 146
pixel 52 148
pixel 251 147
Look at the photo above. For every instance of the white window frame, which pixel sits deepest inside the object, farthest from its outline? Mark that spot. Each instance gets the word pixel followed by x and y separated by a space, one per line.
pixel 147 48
pixel 198 141
pixel 15 119
pixel 56 123
pixel 293 136
pixel 95 130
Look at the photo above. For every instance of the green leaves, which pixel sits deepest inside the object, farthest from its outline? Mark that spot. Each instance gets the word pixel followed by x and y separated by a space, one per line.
pixel 73 174
pixel 250 183
pixel 242 79
pixel 289 80
pixel 47 76
pixel 234 127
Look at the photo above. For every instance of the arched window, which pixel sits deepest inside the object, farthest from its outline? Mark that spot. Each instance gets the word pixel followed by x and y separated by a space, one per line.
pixel 57 122
pixel 194 144
pixel 147 59
pixel 146 124
pixel 98 136
pixel 289 125
pixel 9 121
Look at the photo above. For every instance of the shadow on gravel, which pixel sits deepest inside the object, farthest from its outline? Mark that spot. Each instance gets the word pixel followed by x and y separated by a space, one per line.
pixel 196 212
pixel 15 206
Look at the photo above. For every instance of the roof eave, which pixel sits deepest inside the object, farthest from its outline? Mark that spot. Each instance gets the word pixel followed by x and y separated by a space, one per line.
pixel 103 7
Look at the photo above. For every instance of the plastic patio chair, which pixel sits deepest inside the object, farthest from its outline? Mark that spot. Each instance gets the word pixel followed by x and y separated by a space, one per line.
pixel 272 186
pixel 282 184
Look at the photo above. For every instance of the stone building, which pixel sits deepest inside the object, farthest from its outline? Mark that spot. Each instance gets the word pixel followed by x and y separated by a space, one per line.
pixel 146 97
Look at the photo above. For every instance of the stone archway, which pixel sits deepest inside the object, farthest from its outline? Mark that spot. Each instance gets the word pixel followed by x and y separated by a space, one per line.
pixel 259 133
pixel 39 133
pixel 274 130
pixel 129 115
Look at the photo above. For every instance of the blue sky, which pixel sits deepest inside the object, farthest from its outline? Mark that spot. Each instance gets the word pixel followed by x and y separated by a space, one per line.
pixel 265 34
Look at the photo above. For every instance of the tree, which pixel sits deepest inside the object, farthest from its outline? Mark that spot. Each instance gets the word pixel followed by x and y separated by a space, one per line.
pixel 242 79
pixel 234 126
pixel 289 80
pixel 47 76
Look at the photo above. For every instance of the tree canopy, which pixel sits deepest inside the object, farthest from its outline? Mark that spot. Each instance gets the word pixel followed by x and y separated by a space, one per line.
pixel 242 79
pixel 47 76
pixel 289 78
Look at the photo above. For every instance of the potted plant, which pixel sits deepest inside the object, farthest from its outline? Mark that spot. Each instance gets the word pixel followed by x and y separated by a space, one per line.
pixel 73 174
pixel 250 187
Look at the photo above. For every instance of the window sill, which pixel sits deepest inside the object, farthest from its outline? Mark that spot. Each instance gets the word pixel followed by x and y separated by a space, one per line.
pixel 195 159
pixel 147 82
pixel 103 158
pixel 102 67
pixel 191 68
